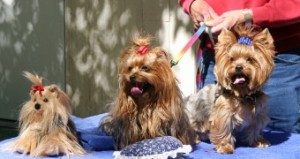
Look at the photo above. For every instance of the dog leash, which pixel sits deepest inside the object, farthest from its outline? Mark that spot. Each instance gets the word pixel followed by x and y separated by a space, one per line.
pixel 189 44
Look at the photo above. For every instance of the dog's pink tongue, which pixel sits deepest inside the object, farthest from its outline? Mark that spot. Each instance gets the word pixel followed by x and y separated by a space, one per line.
pixel 136 91
pixel 239 80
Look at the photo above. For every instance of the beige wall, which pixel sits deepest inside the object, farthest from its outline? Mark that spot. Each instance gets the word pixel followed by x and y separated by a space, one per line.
pixel 96 31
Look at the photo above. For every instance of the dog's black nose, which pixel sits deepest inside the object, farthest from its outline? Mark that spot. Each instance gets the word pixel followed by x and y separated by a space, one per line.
pixel 239 68
pixel 132 78
pixel 37 106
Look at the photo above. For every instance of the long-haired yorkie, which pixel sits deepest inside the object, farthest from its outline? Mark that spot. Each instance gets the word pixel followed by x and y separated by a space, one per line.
pixel 236 104
pixel 45 125
pixel 149 103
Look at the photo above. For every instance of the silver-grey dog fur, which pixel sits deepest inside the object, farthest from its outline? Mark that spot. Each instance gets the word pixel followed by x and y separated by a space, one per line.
pixel 198 108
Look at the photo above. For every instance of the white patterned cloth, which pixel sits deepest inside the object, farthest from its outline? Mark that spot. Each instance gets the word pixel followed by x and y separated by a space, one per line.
pixel 156 148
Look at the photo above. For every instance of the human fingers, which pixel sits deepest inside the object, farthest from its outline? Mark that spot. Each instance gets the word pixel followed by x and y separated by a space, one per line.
pixel 197 19
pixel 196 11
pixel 210 15
pixel 228 19
pixel 214 22
pixel 207 29
pixel 196 26
pixel 217 28
pixel 196 23
pixel 213 14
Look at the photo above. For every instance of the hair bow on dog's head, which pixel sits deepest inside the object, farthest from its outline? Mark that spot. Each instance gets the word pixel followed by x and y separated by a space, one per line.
pixel 39 89
pixel 143 49
pixel 245 40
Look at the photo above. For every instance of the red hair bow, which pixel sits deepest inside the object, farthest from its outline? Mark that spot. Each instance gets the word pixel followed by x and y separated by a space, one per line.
pixel 39 89
pixel 142 50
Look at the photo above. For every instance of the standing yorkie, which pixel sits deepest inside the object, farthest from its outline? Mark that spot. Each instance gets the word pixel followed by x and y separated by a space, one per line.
pixel 149 103
pixel 45 125
pixel 243 64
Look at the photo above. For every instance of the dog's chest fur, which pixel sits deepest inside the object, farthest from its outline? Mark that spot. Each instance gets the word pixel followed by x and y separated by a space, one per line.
pixel 244 109
pixel 245 112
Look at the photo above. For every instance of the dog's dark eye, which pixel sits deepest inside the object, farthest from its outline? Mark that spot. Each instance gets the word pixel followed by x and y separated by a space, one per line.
pixel 129 68
pixel 144 68
pixel 34 100
pixel 231 59
pixel 45 100
pixel 249 59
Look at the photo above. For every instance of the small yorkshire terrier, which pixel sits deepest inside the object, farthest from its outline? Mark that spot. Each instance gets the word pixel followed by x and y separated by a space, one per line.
pixel 236 104
pixel 149 103
pixel 45 125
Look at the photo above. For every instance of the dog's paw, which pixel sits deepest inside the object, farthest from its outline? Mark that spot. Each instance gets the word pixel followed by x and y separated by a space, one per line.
pixel 53 150
pixel 225 148
pixel 48 150
pixel 262 143
pixel 24 147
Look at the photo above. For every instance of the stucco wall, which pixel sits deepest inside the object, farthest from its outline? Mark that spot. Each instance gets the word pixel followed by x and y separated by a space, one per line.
pixel 31 39
pixel 96 31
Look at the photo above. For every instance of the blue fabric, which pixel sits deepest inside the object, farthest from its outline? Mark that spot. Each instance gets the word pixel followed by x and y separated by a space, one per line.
pixel 283 87
pixel 284 145
pixel 93 138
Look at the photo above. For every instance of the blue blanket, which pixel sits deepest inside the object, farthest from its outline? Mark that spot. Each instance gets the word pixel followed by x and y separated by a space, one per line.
pixel 99 145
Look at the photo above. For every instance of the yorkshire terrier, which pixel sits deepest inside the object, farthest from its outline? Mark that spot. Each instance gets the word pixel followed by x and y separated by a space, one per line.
pixel 236 104
pixel 45 125
pixel 149 103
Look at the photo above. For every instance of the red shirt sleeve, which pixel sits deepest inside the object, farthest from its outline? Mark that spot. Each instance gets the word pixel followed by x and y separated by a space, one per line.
pixel 185 4
pixel 277 13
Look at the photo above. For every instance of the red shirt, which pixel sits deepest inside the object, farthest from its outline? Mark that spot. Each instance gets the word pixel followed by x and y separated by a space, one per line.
pixel 281 17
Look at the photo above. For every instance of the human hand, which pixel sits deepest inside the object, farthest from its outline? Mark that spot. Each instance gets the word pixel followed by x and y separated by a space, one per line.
pixel 226 20
pixel 201 11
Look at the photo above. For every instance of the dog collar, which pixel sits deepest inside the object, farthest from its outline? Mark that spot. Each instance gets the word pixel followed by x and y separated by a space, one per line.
pixel 251 97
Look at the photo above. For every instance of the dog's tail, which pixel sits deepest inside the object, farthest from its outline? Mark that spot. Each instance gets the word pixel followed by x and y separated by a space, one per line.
pixel 35 79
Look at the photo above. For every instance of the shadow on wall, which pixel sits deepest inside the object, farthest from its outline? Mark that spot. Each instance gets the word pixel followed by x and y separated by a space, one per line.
pixel 32 39
pixel 96 33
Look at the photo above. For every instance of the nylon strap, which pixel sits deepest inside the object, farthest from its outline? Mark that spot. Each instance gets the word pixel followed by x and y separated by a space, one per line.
pixel 189 44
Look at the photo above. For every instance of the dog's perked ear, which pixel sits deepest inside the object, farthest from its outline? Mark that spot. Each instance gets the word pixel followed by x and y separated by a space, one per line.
pixel 265 39
pixel 54 90
pixel 62 96
pixel 161 53
pixel 165 55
